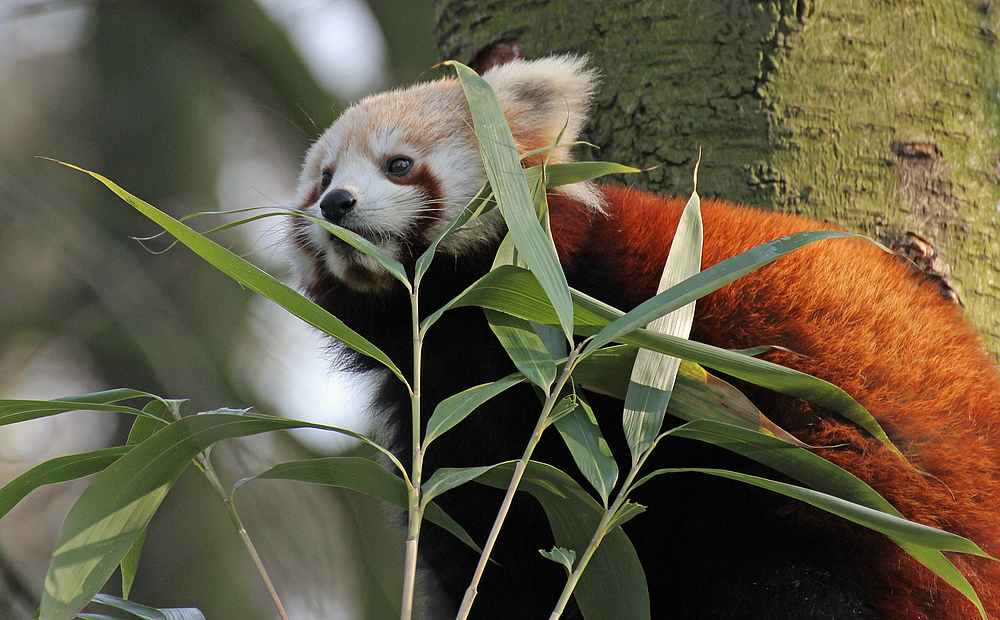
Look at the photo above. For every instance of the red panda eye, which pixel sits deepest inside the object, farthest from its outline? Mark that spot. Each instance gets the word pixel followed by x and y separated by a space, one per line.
pixel 325 180
pixel 399 166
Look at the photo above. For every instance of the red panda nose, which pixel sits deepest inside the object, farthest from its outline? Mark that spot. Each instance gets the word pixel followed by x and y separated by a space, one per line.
pixel 336 204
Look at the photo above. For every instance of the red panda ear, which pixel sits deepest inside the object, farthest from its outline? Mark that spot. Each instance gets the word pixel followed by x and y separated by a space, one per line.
pixel 541 97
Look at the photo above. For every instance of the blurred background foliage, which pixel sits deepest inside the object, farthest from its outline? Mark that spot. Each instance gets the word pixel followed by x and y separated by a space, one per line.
pixel 194 106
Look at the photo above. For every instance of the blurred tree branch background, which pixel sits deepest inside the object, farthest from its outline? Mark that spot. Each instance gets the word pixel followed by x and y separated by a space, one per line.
pixel 193 105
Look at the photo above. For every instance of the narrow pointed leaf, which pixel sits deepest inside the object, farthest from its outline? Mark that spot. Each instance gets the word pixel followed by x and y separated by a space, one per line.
pixel 590 451
pixel 149 613
pixel 448 478
pixel 142 429
pixel 114 510
pixel 361 475
pixel 513 290
pixel 575 172
pixel 765 374
pixel 454 409
pixel 252 277
pixel 824 476
pixel 924 543
pixel 393 266
pixel 707 281
pixel 524 347
pixel 891 525
pixel 626 513
pixel 697 394
pixel 20 410
pixel 654 373
pixel 482 203
pixel 59 469
pixel 503 168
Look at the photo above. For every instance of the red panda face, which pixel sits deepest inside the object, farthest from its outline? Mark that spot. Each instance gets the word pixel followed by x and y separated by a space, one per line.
pixel 397 167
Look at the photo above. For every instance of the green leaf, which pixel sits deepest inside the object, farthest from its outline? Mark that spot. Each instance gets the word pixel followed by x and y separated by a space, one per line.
pixel 514 291
pixel 517 292
pixel 482 203
pixel 614 585
pixel 142 429
pixel 697 394
pixel 149 613
pixel 560 555
pixel 580 431
pixel 575 172
pixel 524 347
pixel 626 512
pixel 921 542
pixel 891 525
pixel 19 410
pixel 393 266
pixel 114 510
pixel 697 286
pixel 454 409
pixel 563 408
pixel 361 475
pixel 252 277
pixel 765 374
pixel 447 478
pixel 503 168
pixel 59 469
pixel 653 375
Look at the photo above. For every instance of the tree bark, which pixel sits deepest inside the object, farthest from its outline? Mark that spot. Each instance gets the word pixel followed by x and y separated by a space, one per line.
pixel 879 116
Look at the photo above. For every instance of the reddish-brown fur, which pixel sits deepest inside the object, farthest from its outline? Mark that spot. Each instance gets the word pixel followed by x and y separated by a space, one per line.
pixel 860 318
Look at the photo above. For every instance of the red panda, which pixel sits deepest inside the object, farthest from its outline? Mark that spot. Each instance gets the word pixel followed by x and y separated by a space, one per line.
pixel 397 167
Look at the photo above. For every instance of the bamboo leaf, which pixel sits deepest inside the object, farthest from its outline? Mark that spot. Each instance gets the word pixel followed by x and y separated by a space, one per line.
pixel 454 409
pixel 653 375
pixel 503 168
pixel 114 510
pixel 59 469
pixel 149 613
pixel 891 525
pixel 447 478
pixel 361 475
pixel 393 266
pixel 575 172
pixel 20 410
pixel 626 513
pixel 580 431
pixel 697 394
pixel 923 543
pixel 524 347
pixel 482 203
pixel 512 290
pixel 251 276
pixel 707 281
pixel 142 429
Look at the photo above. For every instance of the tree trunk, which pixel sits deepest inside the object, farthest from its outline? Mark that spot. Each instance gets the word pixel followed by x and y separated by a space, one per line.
pixel 879 116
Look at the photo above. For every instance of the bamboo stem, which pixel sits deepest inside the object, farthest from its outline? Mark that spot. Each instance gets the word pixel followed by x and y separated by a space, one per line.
pixel 206 466
pixel 536 435
pixel 415 511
